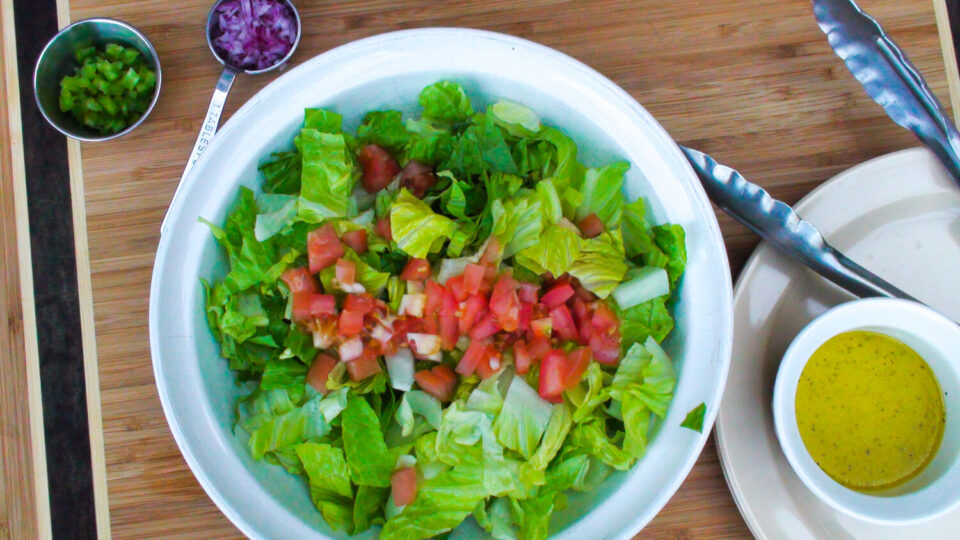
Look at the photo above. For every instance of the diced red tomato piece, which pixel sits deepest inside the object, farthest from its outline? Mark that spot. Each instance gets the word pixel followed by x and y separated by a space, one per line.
pixel 322 305
pixel 528 293
pixel 416 270
pixel 485 327
pixel 474 307
pixel 505 304
pixel 604 318
pixel 473 278
pixel 557 295
pixel 563 323
pixel 434 293
pixel 382 228
pixel 449 328
pixel 378 167
pixel 489 365
pixel 584 294
pixel 301 305
pixel 363 367
pixel 431 323
pixel 346 271
pixel 521 357
pixel 404 486
pixel 319 372
pixel 491 253
pixel 538 348
pixel 525 316
pixel 455 284
pixel 299 280
pixel 474 355
pixel 489 278
pixel 357 240
pixel 439 382
pixel 606 349
pixel 579 360
pixel 417 178
pixel 590 226
pixel 542 327
pixel 351 323
pixel 323 248
pixel 552 370
pixel 362 303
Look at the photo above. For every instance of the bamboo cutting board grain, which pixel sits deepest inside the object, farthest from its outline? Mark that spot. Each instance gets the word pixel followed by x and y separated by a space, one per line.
pixel 752 82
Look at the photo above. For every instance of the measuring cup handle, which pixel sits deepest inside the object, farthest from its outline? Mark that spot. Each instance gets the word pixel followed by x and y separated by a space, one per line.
pixel 207 130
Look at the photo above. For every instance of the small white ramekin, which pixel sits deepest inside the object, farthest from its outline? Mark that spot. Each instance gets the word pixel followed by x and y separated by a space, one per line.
pixel 937 339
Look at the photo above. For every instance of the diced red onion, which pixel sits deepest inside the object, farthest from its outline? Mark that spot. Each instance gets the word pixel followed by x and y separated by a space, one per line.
pixel 255 34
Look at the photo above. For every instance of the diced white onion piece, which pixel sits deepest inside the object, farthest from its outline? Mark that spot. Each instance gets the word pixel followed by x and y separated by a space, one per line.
pixel 352 288
pixel 351 349
pixel 495 363
pixel 400 369
pixel 415 287
pixel 435 357
pixel 406 461
pixel 413 304
pixel 381 334
pixel 424 345
pixel 323 336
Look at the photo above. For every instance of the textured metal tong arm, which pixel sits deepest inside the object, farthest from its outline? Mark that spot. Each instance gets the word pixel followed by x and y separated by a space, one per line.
pixel 889 78
pixel 777 223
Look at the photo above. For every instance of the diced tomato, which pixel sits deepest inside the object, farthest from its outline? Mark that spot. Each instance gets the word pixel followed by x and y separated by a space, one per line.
pixel 351 323
pixel 455 284
pixel 434 293
pixel 505 304
pixel 528 293
pixel 563 323
pixel 552 370
pixel 322 305
pixel 362 303
pixel 590 226
pixel 521 357
pixel 525 316
pixel 475 305
pixel 489 365
pixel 323 248
pixel 346 271
pixel 449 329
pixel 439 382
pixel 584 294
pixel 363 367
pixel 489 278
pixel 557 295
pixel 579 360
pixel 299 280
pixel 301 305
pixel 378 168
pixel 319 372
pixel 491 254
pixel 473 278
pixel 604 318
pixel 606 349
pixel 416 270
pixel 485 327
pixel 404 486
pixel 357 240
pixel 538 348
pixel 473 356
pixel 431 323
pixel 417 178
pixel 382 228
pixel 542 327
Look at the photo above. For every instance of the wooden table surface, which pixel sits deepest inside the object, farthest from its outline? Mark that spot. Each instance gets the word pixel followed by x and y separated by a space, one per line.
pixel 752 82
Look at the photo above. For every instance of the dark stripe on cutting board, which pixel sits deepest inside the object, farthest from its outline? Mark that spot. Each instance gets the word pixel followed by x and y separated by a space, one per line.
pixel 57 304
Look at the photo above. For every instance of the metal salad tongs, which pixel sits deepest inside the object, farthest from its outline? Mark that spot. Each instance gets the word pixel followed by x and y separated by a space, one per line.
pixel 892 81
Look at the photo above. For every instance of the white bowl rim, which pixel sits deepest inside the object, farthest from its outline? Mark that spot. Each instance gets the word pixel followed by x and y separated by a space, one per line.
pixel 724 314
pixel 875 314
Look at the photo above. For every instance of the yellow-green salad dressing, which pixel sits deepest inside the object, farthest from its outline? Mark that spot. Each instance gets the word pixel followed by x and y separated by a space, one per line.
pixel 870 410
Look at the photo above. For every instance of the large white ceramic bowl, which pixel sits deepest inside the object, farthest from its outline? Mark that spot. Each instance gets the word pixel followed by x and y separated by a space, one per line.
pixel 197 389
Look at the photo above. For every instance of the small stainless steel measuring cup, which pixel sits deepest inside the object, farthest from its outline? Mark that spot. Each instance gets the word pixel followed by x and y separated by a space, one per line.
pixel 212 120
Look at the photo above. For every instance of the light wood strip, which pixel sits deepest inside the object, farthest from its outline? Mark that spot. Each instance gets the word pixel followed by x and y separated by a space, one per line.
pixel 752 82
pixel 24 501
pixel 949 53
pixel 91 372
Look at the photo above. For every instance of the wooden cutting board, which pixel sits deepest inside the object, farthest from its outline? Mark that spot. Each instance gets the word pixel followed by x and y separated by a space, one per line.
pixel 752 82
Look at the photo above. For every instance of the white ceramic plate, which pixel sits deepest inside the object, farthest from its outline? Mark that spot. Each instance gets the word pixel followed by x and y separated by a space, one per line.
pixel 899 216
pixel 198 391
